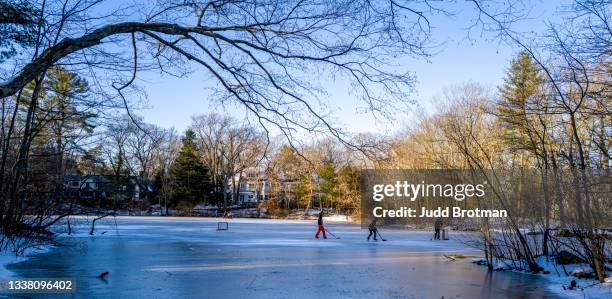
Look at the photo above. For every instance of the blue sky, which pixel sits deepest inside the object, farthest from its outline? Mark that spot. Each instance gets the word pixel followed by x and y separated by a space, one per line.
pixel 459 59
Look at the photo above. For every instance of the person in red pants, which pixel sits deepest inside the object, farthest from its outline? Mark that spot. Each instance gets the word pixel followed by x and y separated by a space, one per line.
pixel 321 228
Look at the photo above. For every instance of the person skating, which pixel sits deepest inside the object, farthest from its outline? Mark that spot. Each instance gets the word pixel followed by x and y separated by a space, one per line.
pixel 373 229
pixel 437 227
pixel 321 228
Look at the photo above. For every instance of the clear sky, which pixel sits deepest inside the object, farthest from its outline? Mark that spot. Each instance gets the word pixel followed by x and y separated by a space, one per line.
pixel 480 58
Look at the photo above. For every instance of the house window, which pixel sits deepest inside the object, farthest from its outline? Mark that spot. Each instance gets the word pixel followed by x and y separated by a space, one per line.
pixel 241 197
pixel 251 196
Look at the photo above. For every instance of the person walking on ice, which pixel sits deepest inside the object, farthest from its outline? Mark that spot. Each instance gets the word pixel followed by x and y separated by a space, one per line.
pixel 373 230
pixel 437 228
pixel 321 228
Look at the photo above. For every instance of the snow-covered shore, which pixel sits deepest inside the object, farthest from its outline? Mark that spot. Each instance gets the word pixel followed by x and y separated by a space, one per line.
pixel 586 288
pixel 559 281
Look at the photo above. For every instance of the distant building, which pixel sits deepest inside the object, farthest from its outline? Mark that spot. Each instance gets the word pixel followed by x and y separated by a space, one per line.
pixel 255 187
pixel 102 187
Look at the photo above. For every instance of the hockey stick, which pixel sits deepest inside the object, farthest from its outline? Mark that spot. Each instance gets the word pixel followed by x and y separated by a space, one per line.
pixel 381 237
pixel 327 231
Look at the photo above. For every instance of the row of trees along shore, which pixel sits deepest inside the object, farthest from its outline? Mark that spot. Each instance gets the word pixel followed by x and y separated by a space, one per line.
pixel 68 67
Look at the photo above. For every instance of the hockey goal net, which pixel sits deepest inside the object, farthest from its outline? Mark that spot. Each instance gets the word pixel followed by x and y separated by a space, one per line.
pixel 222 226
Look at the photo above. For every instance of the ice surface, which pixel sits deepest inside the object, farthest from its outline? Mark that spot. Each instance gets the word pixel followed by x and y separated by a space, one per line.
pixel 188 258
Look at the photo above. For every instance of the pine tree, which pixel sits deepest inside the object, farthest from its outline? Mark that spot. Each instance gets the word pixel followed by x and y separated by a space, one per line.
pixel 328 182
pixel 519 95
pixel 63 109
pixel 61 119
pixel 190 177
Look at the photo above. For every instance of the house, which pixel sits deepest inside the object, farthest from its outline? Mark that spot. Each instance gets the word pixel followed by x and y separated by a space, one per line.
pixel 255 187
pixel 102 187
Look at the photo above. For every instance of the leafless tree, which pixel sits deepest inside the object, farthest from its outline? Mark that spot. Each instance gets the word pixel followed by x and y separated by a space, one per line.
pixel 228 149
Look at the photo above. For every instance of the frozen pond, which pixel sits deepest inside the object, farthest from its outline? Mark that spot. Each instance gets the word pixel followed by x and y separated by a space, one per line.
pixel 188 258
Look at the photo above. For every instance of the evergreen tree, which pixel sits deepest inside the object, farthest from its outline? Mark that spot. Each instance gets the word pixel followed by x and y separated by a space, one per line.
pixel 64 109
pixel 190 177
pixel 519 96
pixel 328 183
pixel 60 122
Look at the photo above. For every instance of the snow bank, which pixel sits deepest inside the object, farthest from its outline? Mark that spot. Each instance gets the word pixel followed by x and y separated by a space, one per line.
pixel 586 288
pixel 559 281
pixel 337 218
